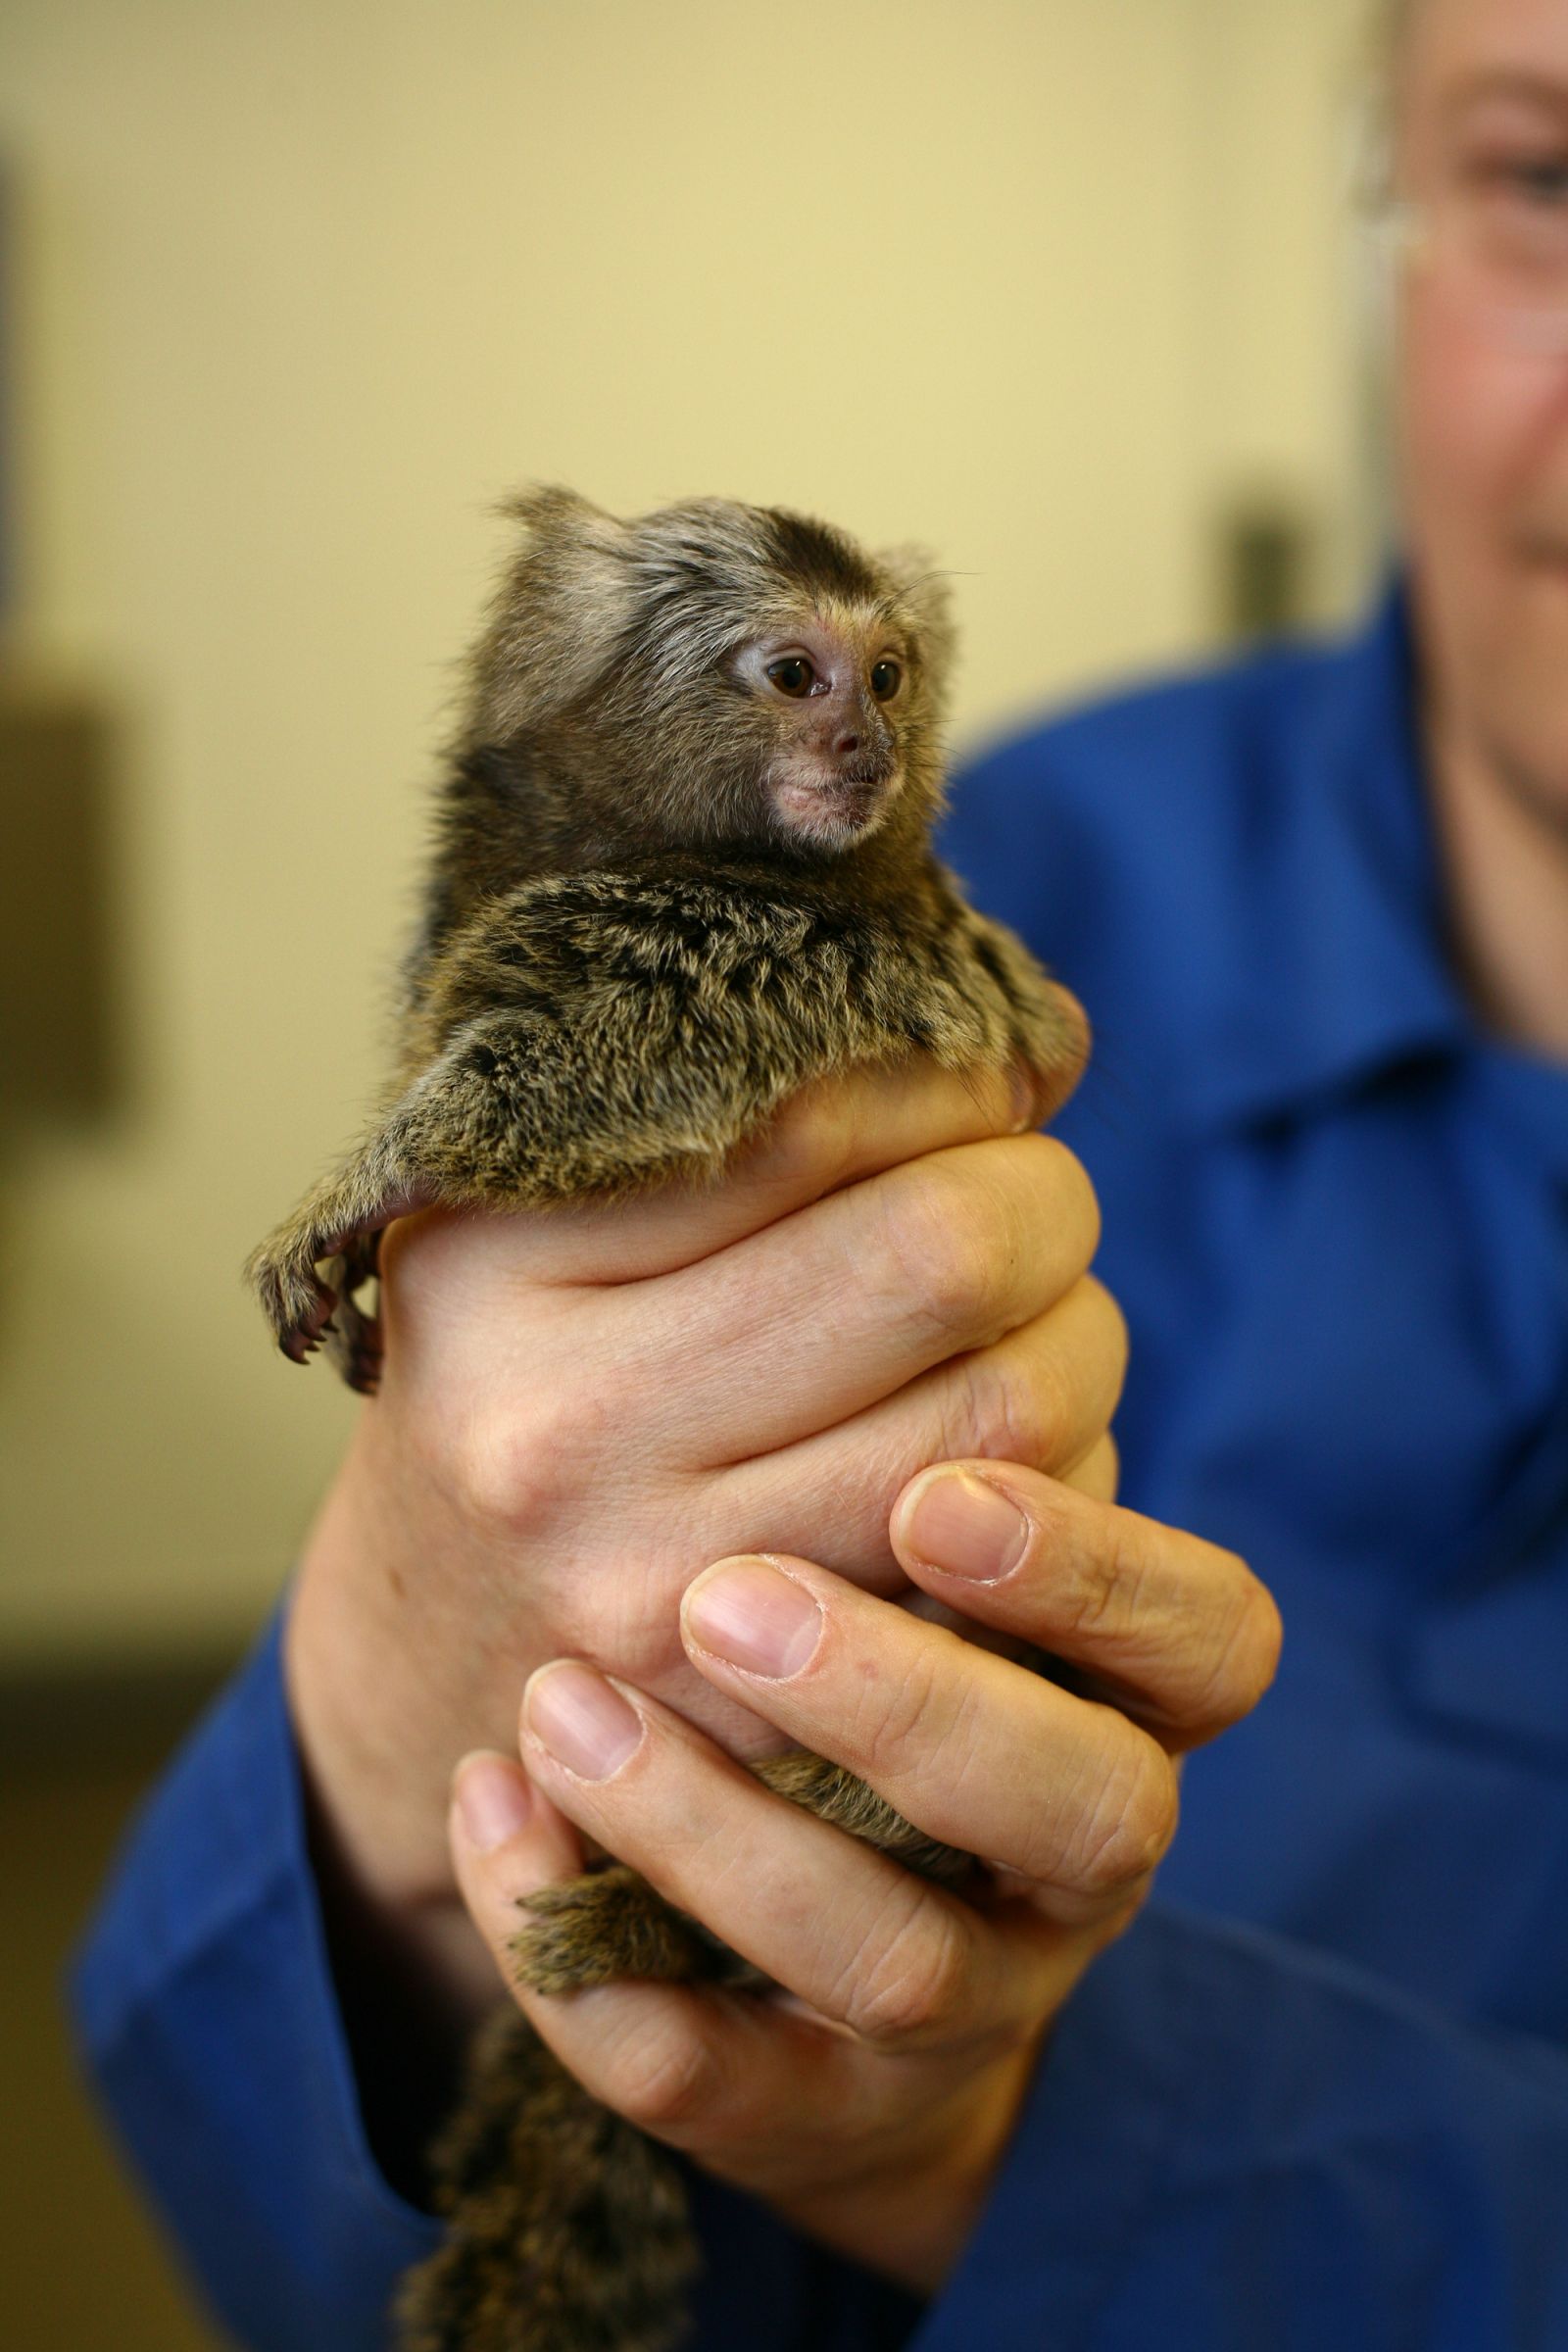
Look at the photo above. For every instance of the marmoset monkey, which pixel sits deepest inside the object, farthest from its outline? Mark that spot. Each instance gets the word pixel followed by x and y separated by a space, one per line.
pixel 683 867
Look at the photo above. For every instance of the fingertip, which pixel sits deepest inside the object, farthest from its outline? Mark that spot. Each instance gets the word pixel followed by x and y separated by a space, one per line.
pixel 961 1523
pixel 902 1515
pixel 492 1799
pixel 508 1839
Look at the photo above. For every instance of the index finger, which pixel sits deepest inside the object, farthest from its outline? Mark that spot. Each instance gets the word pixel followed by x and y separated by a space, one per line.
pixel 976 1751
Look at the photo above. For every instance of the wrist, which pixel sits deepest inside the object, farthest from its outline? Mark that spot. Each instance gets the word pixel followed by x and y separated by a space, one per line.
pixel 410 1974
pixel 376 1732
pixel 387 1657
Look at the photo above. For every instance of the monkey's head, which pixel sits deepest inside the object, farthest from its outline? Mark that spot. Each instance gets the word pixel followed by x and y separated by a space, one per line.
pixel 712 673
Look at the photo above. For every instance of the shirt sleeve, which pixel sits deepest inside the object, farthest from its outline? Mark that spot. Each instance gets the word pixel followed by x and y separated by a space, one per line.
pixel 208 2021
pixel 205 2015
pixel 1235 2144
pixel 1241 2146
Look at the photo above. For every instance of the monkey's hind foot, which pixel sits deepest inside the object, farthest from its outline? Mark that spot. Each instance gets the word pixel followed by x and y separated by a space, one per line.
pixel 607 1924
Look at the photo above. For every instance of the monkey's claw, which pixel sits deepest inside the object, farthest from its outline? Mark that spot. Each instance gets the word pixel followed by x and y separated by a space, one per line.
pixel 302 1343
pixel 298 1305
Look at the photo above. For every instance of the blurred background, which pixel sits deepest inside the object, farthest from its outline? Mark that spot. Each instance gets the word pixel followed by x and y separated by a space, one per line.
pixel 289 295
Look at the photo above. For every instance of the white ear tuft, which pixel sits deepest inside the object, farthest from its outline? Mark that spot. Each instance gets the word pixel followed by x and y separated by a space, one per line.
pixel 558 617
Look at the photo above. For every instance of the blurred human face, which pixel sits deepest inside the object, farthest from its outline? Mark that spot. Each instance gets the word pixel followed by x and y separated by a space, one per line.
pixel 1482 137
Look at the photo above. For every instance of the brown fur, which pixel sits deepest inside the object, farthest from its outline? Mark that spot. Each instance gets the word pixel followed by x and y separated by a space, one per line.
pixel 566 2225
pixel 625 963
pixel 666 894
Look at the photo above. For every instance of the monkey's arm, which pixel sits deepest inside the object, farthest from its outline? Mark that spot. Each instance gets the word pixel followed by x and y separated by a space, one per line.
pixel 596 1034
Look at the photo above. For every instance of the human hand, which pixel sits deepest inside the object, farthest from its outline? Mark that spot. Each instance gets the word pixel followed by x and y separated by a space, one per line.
pixel 871 2103
pixel 576 1408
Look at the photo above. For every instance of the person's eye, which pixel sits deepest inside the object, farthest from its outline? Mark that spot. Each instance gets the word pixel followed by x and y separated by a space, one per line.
pixel 794 676
pixel 1536 181
pixel 1544 181
pixel 886 679
pixel 1512 210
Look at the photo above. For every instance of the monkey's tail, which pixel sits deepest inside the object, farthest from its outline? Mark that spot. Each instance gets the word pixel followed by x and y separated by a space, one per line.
pixel 567 2228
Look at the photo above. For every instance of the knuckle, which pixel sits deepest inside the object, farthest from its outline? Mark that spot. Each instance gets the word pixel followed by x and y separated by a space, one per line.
pixel 1247 1655
pixel 1078 1209
pixel 665 2081
pixel 953 1244
pixel 912 1986
pixel 1090 1334
pixel 1011 1404
pixel 506 1468
pixel 1101 1602
pixel 1132 1821
pixel 620 1618
pixel 1266 1637
pixel 896 1712
pixel 516 1460
pixel 1113 1334
pixel 808 1145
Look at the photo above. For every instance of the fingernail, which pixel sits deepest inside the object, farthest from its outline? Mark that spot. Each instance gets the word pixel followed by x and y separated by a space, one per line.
pixel 754 1615
pixel 581 1719
pixel 966 1527
pixel 492 1796
pixel 1025 1098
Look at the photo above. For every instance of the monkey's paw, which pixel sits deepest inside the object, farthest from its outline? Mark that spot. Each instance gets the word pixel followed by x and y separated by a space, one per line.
pixel 295 1299
pixel 609 1924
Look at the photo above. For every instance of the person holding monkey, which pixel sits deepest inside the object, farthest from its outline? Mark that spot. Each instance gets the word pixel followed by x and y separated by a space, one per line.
pixel 1317 2089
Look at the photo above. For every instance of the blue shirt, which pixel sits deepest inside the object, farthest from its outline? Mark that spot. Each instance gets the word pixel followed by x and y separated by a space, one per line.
pixel 1319 2095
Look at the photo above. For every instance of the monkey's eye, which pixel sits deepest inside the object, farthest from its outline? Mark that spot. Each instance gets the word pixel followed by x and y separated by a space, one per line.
pixel 886 679
pixel 794 676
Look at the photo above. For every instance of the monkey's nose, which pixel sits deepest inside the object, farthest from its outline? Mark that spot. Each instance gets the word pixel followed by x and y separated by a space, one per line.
pixel 845 745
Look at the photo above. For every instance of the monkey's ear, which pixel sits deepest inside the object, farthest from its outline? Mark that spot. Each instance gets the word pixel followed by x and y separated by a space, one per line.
pixel 925 602
pixel 559 615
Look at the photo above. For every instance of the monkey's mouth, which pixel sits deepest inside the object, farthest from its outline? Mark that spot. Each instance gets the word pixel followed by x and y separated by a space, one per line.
pixel 835 806
pixel 866 775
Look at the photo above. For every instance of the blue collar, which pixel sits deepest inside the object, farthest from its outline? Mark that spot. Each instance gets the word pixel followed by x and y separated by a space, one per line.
pixel 1347 918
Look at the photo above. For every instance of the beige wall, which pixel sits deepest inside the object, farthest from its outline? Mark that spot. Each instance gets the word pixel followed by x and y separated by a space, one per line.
pixel 302 287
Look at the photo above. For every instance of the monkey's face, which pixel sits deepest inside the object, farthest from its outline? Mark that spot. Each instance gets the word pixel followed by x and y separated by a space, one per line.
pixel 712 673
pixel 834 692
